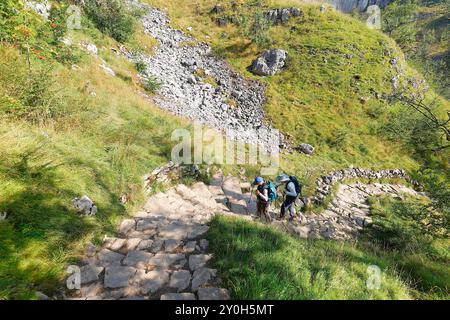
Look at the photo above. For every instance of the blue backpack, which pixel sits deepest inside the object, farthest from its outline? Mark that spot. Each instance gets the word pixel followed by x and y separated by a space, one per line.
pixel 272 191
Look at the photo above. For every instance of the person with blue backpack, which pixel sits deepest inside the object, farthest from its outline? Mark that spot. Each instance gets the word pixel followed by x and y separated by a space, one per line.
pixel 292 191
pixel 265 194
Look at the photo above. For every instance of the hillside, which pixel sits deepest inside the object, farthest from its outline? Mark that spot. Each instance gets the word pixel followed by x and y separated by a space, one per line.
pixel 91 111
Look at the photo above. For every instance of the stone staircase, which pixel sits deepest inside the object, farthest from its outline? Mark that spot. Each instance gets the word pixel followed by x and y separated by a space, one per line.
pixel 161 252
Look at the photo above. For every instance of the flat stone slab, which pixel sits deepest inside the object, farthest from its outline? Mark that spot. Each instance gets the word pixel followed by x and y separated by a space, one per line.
pixel 171 244
pixel 146 224
pixel 114 244
pixel 133 243
pixel 118 277
pixel 138 259
pixel 108 257
pixel 198 260
pixel 197 231
pixel 201 277
pixel 126 226
pixel 213 294
pixel 165 260
pixel 175 230
pixel 145 244
pixel 153 281
pixel 90 273
pixel 180 280
pixel 178 296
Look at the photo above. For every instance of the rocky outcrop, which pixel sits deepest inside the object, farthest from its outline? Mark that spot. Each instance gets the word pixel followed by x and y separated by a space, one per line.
pixel 169 172
pixel 269 63
pixel 347 214
pixel 348 6
pixel 281 16
pixel 84 206
pixel 40 7
pixel 306 148
pixel 326 183
pixel 232 104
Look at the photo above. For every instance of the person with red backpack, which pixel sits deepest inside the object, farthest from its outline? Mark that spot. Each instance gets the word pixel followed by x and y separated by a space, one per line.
pixel 292 191
pixel 263 198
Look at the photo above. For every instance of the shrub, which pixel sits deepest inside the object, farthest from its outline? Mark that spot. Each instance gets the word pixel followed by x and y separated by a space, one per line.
pixel 33 94
pixel 152 85
pixel 112 18
pixel 140 66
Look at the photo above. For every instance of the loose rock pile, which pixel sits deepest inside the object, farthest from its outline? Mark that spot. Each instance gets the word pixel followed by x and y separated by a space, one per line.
pixel 169 172
pixel 325 183
pixel 233 105
pixel 346 215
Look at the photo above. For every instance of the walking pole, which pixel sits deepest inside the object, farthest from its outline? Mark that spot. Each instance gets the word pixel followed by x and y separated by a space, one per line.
pixel 250 199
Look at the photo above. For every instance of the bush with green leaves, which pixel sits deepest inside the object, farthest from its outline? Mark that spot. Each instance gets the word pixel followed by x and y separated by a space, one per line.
pixel 140 66
pixel 32 94
pixel 152 84
pixel 256 29
pixel 112 18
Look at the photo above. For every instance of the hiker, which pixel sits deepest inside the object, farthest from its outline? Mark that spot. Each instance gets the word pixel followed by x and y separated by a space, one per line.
pixel 262 199
pixel 291 193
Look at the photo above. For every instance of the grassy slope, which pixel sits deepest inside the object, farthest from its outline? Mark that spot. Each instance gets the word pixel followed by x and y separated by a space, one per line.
pixel 258 262
pixel 102 149
pixel 334 63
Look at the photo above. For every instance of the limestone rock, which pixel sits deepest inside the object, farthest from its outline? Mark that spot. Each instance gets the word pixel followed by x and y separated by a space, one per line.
pixel 213 294
pixel 198 260
pixel 137 259
pixel 306 148
pixel 126 226
pixel 201 277
pixel 269 63
pixel 90 273
pixel 180 280
pixel 178 296
pixel 84 206
pixel 118 276
pixel 154 280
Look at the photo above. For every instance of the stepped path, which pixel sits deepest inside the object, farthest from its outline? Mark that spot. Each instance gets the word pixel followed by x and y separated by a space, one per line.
pixel 161 252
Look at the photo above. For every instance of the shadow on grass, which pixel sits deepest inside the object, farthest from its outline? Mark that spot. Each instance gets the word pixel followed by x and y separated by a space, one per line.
pixel 36 238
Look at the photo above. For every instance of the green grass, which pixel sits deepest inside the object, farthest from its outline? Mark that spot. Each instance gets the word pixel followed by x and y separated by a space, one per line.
pixel 257 261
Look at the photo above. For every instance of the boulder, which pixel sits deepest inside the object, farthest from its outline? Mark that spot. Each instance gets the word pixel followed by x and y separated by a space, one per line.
pixel 84 206
pixel 306 148
pixel 269 63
